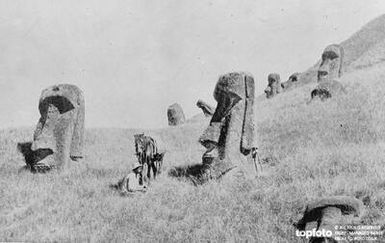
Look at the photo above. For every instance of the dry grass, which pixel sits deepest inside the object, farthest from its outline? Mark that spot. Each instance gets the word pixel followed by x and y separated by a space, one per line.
pixel 331 148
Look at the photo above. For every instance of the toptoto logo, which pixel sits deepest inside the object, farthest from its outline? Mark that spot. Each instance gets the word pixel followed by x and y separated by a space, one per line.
pixel 313 233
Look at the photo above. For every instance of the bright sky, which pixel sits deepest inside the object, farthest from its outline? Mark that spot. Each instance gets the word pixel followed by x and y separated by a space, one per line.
pixel 134 58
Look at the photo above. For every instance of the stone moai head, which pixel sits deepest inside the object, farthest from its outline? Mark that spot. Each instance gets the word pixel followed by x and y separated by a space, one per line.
pixel 175 115
pixel 273 86
pixel 61 125
pixel 327 89
pixel 293 79
pixel 229 138
pixel 206 108
pixel 325 214
pixel 331 64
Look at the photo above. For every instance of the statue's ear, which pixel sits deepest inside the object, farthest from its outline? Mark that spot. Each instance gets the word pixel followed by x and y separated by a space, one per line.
pixel 249 86
pixel 342 58
pixel 60 102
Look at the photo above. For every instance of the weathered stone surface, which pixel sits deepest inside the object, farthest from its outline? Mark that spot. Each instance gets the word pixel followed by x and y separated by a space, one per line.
pixel 61 125
pixel 347 205
pixel 175 115
pixel 206 108
pixel 326 213
pixel 273 86
pixel 230 136
pixel 327 89
pixel 292 81
pixel 331 66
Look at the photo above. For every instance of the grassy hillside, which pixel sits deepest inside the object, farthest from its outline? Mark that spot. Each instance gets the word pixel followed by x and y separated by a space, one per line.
pixel 311 150
pixel 364 41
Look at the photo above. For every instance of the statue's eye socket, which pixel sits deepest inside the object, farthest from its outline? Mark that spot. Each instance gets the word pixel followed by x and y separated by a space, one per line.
pixel 60 102
pixel 329 55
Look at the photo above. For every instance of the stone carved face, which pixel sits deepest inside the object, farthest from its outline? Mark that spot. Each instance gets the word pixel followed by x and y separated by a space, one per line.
pixel 230 134
pixel 61 125
pixel 175 115
pixel 331 64
pixel 273 86
pixel 327 89
pixel 293 79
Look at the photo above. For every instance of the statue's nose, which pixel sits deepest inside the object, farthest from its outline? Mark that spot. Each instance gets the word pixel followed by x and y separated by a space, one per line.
pixel 44 136
pixel 323 70
pixel 44 141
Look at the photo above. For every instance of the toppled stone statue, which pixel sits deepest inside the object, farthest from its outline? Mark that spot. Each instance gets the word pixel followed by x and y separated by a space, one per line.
pixel 293 79
pixel 175 115
pixel 273 86
pixel 327 89
pixel 59 134
pixel 206 108
pixel 230 136
pixel 326 213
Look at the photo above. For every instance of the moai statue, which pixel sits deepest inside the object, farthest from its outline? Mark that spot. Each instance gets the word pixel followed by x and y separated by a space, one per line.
pixel 331 66
pixel 175 115
pixel 328 73
pixel 293 79
pixel 273 86
pixel 230 137
pixel 206 108
pixel 327 89
pixel 60 129
pixel 325 214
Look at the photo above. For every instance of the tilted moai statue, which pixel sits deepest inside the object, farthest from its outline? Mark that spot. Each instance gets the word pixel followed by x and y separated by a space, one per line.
pixel 293 79
pixel 273 86
pixel 61 126
pixel 175 115
pixel 331 66
pixel 206 108
pixel 230 137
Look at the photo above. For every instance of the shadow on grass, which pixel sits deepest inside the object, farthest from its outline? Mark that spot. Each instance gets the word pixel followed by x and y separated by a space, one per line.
pixel 194 173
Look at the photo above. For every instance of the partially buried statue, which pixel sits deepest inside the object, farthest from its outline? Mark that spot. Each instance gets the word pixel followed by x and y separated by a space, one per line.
pixel 273 85
pixel 175 115
pixel 330 70
pixel 331 66
pixel 59 134
pixel 230 137
pixel 291 82
pixel 327 215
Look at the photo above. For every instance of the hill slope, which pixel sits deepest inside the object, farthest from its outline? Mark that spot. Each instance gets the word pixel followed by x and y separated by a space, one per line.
pixel 312 150
pixel 368 39
pixel 363 49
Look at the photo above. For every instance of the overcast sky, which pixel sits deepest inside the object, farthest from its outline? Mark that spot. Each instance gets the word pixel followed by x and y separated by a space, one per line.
pixel 134 58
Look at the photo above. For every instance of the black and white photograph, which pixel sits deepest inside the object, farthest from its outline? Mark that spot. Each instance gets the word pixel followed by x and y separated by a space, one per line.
pixel 192 121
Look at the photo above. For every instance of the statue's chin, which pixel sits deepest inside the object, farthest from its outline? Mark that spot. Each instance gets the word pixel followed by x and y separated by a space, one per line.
pixel 45 157
pixel 322 78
